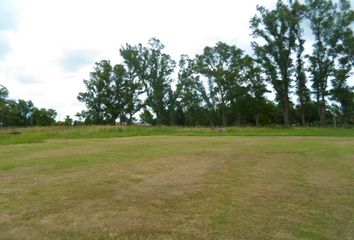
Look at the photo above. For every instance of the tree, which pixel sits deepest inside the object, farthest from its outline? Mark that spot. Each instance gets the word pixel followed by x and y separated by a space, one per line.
pixel 302 91
pixel 25 110
pixel 277 28
pixel 154 68
pixel 23 113
pixel 44 117
pixel 98 98
pixel 256 85
pixel 4 93
pixel 146 117
pixel 341 91
pixel 68 121
pixel 158 79
pixel 221 65
pixel 344 29
pixel 132 84
pixel 190 91
pixel 118 91
pixel 321 14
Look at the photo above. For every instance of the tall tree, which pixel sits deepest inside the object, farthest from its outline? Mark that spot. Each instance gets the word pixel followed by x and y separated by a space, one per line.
pixel 302 91
pixel 341 91
pixel 190 91
pixel 154 68
pixel 158 79
pixel 221 66
pixel 257 86
pixel 277 28
pixel 133 85
pixel 25 110
pixel 118 91
pixel 99 95
pixel 321 14
pixel 344 28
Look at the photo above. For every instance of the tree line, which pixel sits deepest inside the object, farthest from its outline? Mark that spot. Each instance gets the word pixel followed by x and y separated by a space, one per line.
pixel 23 113
pixel 225 86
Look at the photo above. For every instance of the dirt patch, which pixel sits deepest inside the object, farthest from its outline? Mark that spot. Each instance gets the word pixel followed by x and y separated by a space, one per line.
pixel 179 179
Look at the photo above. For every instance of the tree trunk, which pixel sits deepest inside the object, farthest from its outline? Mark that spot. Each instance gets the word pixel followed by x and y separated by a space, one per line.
pixel 303 118
pixel 322 111
pixel 345 120
pixel 130 118
pixel 224 119
pixel 286 111
pixel 257 119
pixel 238 119
pixel 211 119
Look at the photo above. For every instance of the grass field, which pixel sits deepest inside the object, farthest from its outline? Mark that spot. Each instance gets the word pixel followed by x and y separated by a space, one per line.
pixel 96 185
pixel 40 134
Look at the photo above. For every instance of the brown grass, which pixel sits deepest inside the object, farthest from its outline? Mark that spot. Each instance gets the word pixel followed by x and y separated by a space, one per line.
pixel 178 188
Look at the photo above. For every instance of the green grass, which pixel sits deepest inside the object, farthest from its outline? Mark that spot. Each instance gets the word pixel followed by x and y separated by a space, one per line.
pixel 84 183
pixel 40 134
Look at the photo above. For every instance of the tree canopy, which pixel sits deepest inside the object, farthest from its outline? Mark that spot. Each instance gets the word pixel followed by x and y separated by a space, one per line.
pixel 23 113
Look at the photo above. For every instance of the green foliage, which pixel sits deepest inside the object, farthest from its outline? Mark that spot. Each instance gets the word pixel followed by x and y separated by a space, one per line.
pixel 321 14
pixel 256 88
pixel 68 121
pixel 147 118
pixel 99 98
pixel 332 53
pixel 23 113
pixel 44 117
pixel 3 93
pixel 191 92
pixel 114 92
pixel 222 66
pixel 341 92
pixel 132 84
pixel 278 28
pixel 155 70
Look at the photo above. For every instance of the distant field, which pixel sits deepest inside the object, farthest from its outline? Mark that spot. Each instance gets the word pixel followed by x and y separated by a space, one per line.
pixel 40 134
pixel 177 187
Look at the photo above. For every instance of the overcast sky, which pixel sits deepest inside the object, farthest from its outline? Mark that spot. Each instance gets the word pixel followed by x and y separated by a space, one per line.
pixel 47 47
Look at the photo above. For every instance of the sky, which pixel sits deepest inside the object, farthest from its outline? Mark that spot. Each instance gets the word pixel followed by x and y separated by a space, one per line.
pixel 47 48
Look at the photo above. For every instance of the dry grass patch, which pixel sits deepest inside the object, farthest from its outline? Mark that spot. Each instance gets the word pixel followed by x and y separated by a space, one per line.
pixel 178 188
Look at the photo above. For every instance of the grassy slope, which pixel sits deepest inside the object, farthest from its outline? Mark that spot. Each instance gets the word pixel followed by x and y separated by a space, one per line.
pixel 35 135
pixel 164 187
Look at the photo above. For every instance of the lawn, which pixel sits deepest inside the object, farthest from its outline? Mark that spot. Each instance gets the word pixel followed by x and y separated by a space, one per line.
pixel 40 134
pixel 177 187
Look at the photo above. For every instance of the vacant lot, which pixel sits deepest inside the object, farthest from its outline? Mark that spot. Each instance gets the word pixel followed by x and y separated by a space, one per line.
pixel 178 187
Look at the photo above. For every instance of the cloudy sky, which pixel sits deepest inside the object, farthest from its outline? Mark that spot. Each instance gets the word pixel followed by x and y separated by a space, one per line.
pixel 47 47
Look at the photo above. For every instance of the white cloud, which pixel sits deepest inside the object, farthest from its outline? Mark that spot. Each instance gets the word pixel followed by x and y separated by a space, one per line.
pixel 5 47
pixel 73 60
pixel 8 23
pixel 8 15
